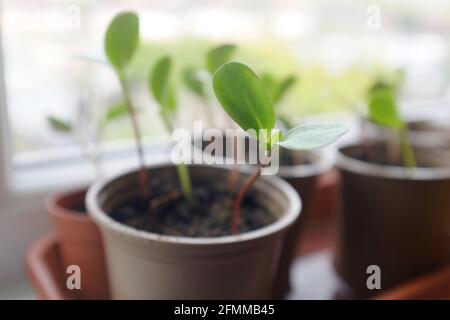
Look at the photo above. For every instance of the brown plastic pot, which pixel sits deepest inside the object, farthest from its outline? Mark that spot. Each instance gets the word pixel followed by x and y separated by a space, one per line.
pixel 80 243
pixel 393 217
pixel 145 265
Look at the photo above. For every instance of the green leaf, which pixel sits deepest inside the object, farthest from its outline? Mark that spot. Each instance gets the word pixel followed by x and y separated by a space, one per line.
pixel 243 96
pixel 284 86
pixel 219 56
pixel 161 87
pixel 383 107
pixel 270 83
pixel 122 39
pixel 312 136
pixel 116 112
pixel 59 125
pixel 277 89
pixel 193 79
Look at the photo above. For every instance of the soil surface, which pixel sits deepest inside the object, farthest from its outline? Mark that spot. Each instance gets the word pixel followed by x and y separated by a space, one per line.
pixel 79 207
pixel 207 214
pixel 292 158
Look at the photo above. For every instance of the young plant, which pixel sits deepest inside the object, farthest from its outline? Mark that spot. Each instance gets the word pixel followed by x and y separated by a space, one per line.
pixel 163 91
pixel 85 129
pixel 277 89
pixel 121 42
pixel 383 111
pixel 198 80
pixel 243 96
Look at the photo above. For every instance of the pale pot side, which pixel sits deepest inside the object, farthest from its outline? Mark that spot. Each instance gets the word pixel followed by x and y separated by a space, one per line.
pixel 144 265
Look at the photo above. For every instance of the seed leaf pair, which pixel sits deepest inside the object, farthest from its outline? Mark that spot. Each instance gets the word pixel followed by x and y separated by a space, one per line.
pixel 244 97
pixel 277 88
pixel 195 79
pixel 198 79
pixel 219 56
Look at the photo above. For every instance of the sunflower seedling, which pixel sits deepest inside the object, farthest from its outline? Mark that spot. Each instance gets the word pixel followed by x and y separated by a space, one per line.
pixel 198 79
pixel 244 97
pixel 276 89
pixel 164 93
pixel 87 130
pixel 383 111
pixel 121 41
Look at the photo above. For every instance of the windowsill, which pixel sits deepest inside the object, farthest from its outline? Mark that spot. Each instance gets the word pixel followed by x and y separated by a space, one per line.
pixel 51 178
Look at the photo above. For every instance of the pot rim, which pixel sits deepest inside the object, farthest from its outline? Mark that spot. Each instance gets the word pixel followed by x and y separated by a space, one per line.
pixel 104 220
pixel 388 171
pixel 52 206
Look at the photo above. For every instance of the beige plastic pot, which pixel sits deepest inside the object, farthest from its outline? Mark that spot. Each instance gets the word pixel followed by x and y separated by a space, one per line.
pixel 143 265
pixel 393 217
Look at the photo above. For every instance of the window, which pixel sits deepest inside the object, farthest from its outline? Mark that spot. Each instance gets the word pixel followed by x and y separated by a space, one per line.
pixel 51 51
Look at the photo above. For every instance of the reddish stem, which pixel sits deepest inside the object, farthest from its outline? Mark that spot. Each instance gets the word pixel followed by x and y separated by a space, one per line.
pixel 240 197
pixel 233 176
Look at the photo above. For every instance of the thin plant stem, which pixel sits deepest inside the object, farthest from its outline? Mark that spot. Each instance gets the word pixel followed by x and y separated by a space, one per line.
pixel 182 170
pixel 233 176
pixel 185 180
pixel 143 174
pixel 236 214
pixel 409 159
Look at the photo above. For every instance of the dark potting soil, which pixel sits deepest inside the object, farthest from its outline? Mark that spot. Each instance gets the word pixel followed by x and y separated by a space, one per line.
pixel 292 158
pixel 78 207
pixel 207 214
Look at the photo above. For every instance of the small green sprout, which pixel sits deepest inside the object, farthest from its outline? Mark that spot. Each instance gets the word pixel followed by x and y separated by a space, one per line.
pixel 198 79
pixel 164 93
pixel 218 56
pixel 383 110
pixel 277 89
pixel 59 125
pixel 121 43
pixel 244 97
pixel 86 128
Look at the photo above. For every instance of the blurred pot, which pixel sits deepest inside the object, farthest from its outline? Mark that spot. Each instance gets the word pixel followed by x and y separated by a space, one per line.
pixel 144 265
pixel 80 243
pixel 424 133
pixel 393 217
